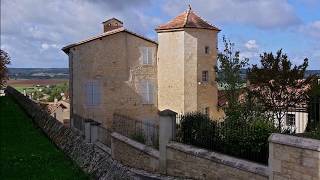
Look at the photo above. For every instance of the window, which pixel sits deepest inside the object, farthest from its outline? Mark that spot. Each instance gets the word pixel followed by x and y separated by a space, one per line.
pixel 206 111
pixel 147 55
pixel 205 76
pixel 290 120
pixel 147 92
pixel 93 93
pixel 207 50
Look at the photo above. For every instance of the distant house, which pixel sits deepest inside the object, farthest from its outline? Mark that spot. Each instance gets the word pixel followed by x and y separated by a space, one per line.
pixel 59 110
pixel 122 72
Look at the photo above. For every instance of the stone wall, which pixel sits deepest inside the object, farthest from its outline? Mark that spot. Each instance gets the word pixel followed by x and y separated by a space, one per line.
pixel 91 159
pixel 294 158
pixel 190 162
pixel 134 154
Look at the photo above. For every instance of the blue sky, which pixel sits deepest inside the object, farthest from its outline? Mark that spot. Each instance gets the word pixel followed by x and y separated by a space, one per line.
pixel 34 31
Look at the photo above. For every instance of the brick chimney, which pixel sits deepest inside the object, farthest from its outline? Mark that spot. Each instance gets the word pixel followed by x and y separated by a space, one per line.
pixel 112 24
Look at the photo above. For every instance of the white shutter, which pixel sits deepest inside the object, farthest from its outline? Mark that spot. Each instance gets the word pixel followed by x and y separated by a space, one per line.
pixel 143 91
pixel 93 93
pixel 150 92
pixel 150 55
pixel 145 55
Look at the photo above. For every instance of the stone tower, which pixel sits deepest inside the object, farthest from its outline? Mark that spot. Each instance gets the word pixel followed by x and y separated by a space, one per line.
pixel 187 56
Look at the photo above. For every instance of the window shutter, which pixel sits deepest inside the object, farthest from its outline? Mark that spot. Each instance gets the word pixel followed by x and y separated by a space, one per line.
pixel 150 92
pixel 88 92
pixel 150 55
pixel 145 55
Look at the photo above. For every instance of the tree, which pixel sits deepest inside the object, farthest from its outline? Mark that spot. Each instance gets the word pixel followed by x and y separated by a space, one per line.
pixel 229 68
pixel 4 61
pixel 279 85
pixel 314 105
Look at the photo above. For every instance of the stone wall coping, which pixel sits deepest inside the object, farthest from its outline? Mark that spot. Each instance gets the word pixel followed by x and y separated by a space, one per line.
pixel 221 158
pixel 299 142
pixel 103 147
pixel 144 148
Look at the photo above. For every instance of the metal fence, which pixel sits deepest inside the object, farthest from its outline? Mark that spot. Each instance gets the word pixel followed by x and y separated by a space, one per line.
pixel 141 131
pixel 240 140
pixel 78 123
pixel 104 136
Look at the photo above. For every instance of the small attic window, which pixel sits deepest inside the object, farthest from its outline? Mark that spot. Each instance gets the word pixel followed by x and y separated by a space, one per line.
pixel 116 24
pixel 109 24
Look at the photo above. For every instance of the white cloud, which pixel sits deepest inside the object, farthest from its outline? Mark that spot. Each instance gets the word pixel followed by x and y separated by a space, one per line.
pixel 38 29
pixel 312 29
pixel 251 45
pixel 260 13
pixel 46 46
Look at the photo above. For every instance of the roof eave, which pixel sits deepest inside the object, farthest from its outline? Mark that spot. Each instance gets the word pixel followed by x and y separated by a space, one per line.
pixel 158 30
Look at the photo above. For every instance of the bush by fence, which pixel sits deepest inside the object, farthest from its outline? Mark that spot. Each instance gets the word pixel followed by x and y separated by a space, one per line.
pixel 143 132
pixel 247 140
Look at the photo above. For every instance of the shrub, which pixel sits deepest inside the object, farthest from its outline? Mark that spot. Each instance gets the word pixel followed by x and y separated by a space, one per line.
pixel 139 136
pixel 240 138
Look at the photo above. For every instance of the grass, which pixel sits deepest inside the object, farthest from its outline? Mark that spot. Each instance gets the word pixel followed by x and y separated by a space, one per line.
pixel 26 153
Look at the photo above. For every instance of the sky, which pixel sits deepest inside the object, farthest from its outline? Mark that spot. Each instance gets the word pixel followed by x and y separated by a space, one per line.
pixel 34 31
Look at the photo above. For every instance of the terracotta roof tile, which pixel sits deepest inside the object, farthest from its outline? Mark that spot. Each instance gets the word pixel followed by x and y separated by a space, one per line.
pixel 187 19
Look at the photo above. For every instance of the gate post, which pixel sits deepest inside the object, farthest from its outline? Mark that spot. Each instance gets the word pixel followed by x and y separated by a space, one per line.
pixel 167 131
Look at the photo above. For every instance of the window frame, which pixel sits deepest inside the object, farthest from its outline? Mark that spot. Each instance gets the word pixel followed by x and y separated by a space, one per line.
pixel 146 52
pixel 290 119
pixel 147 94
pixel 207 49
pixel 95 93
pixel 205 76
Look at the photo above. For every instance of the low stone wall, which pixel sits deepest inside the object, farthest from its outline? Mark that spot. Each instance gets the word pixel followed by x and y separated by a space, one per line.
pixel 134 154
pixel 292 157
pixel 190 162
pixel 97 163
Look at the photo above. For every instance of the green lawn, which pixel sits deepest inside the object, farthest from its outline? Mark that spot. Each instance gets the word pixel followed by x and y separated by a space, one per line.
pixel 26 153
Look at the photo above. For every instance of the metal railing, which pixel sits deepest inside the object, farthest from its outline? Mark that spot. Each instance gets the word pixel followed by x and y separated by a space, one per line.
pixel 104 136
pixel 142 131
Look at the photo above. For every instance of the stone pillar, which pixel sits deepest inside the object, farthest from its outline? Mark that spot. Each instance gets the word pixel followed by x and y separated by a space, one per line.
pixel 167 131
pixel 94 131
pixel 292 157
pixel 87 130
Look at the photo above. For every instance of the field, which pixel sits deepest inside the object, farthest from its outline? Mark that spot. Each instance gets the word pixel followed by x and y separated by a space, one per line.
pixel 30 84
pixel 26 153
pixel 34 82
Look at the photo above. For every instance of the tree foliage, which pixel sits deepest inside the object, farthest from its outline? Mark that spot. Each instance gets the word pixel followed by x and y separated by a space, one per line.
pixel 279 85
pixel 229 67
pixel 4 61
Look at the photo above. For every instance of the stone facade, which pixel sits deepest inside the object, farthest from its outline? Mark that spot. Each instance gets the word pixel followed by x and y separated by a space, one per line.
pixel 182 58
pixel 134 154
pixel 190 162
pixel 113 61
pixel 294 158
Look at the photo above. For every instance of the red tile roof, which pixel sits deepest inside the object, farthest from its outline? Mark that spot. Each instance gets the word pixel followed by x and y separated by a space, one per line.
pixel 187 19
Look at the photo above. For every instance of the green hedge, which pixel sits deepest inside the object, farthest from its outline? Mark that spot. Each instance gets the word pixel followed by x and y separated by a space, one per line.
pixel 247 140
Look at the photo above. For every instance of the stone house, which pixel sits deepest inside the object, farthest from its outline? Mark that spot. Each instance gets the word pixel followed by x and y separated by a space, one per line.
pixel 59 110
pixel 122 72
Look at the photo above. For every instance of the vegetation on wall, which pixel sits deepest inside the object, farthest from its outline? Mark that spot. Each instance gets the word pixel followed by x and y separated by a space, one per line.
pixel 4 61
